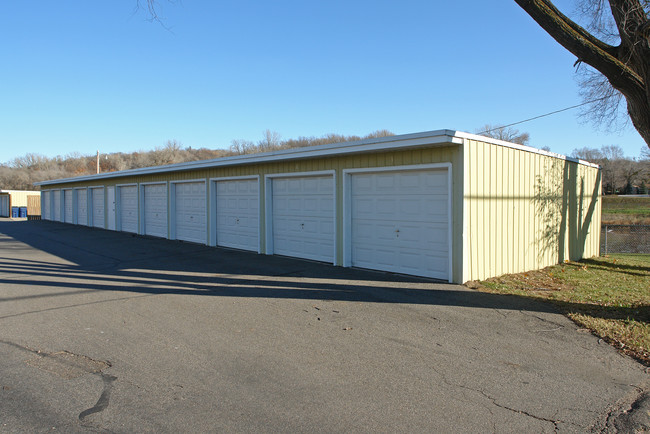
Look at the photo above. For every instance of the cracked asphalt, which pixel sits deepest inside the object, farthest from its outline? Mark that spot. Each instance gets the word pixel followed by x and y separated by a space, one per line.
pixel 108 332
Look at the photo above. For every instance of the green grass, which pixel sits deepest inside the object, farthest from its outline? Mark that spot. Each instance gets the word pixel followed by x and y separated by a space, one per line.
pixel 618 202
pixel 608 295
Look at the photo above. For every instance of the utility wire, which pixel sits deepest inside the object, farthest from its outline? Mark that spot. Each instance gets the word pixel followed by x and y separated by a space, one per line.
pixel 544 115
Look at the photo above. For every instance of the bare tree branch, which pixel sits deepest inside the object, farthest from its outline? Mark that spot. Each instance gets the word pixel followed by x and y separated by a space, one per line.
pixel 626 67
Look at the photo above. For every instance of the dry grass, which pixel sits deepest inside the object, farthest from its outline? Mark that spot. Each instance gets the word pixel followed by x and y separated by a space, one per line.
pixel 608 295
pixel 626 210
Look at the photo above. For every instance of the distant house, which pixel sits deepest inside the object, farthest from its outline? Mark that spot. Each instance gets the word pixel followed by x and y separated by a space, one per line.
pixel 443 204
pixel 11 201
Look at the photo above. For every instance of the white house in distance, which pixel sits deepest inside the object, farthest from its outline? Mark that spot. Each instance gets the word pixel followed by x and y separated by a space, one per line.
pixel 441 204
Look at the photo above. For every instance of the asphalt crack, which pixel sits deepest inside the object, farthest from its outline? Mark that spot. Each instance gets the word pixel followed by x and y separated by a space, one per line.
pixel 514 410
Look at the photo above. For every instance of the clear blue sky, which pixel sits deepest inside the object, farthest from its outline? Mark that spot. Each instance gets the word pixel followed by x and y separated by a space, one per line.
pixel 81 76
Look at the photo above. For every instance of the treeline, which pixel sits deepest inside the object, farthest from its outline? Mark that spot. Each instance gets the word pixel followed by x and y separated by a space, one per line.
pixel 22 172
pixel 620 174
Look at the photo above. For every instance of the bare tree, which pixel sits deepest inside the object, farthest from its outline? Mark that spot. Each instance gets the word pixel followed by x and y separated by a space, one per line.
pixel 240 147
pixel 270 141
pixel 619 173
pixel 618 48
pixel 507 134
pixel 645 155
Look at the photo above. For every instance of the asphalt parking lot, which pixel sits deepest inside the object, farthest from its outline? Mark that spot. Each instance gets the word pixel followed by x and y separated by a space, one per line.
pixel 109 332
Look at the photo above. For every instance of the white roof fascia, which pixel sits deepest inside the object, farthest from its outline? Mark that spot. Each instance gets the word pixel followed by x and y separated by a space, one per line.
pixel 440 137
pixel 522 148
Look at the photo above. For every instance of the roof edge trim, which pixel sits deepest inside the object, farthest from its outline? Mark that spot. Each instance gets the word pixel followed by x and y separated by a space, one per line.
pixel 522 148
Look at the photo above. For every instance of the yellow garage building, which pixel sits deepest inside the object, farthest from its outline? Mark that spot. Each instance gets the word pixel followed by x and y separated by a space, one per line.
pixel 442 204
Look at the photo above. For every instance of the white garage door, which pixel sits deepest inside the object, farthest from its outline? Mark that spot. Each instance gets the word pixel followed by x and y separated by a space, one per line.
pixel 129 208
pixel 303 217
pixel 238 214
pixel 67 206
pixel 97 196
pixel 155 210
pixel 56 202
pixel 47 206
pixel 82 206
pixel 189 212
pixel 400 223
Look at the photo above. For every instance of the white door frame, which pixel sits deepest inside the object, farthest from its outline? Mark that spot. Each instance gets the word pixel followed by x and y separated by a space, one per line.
pixel 268 204
pixel 347 205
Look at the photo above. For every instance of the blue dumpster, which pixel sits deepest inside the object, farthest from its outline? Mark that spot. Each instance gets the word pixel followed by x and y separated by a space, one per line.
pixel 14 212
pixel 23 212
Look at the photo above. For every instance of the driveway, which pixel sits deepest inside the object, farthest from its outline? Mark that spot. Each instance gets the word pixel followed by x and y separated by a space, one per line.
pixel 110 332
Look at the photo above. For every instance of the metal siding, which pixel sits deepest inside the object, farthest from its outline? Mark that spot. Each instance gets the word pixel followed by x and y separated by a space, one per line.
pixel 523 210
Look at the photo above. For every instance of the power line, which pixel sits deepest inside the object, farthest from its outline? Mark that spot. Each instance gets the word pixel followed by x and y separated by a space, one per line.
pixel 542 116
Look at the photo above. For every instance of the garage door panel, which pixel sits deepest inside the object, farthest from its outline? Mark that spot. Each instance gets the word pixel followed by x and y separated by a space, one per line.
pixel 46 206
pixel 303 217
pixel 56 202
pixel 190 209
pixel 129 208
pixel 67 206
pixel 98 207
pixel 238 214
pixel 399 222
pixel 82 207
pixel 155 210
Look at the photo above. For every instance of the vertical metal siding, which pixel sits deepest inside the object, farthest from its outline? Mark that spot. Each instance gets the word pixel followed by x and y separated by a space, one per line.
pixel 525 211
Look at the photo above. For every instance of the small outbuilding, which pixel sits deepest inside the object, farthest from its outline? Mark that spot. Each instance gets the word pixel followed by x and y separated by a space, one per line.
pixel 443 204
pixel 19 203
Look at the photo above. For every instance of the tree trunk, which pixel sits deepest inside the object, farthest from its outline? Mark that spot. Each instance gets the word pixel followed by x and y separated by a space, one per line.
pixel 626 67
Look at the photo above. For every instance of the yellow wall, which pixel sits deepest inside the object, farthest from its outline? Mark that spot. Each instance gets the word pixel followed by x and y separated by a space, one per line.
pixel 525 211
